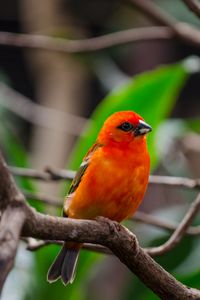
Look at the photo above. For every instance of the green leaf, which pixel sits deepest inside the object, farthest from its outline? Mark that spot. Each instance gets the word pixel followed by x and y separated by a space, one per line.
pixel 193 124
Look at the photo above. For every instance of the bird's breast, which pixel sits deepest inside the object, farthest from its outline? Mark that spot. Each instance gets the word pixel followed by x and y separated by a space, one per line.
pixel 112 186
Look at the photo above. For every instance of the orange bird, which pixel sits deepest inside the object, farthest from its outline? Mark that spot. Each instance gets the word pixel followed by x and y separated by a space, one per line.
pixel 110 182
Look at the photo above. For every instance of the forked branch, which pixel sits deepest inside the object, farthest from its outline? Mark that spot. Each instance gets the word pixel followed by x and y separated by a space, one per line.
pixel 109 234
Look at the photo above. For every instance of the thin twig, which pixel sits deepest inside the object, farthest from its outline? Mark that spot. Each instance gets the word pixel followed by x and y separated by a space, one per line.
pixel 194 6
pixel 169 30
pixel 39 114
pixel 47 199
pixel 33 245
pixel 180 230
pixel 184 31
pixel 85 45
pixel 157 222
pixel 50 174
pixel 181 182
pixel 154 12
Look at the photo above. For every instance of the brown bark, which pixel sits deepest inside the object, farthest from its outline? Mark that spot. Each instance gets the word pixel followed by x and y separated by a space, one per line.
pixel 16 213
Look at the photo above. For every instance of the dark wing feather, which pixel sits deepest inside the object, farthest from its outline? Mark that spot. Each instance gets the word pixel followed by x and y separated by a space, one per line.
pixel 79 174
pixel 82 168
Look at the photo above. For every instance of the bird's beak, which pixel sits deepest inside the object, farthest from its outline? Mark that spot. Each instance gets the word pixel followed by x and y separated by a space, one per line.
pixel 142 128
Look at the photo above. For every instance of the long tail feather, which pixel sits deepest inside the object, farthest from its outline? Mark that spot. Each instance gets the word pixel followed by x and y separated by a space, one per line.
pixel 69 266
pixel 64 265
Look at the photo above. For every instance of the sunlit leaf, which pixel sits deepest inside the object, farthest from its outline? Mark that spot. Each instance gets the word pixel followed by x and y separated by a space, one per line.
pixel 152 94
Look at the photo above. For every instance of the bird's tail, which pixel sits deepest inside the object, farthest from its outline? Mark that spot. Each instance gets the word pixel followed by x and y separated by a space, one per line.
pixel 64 265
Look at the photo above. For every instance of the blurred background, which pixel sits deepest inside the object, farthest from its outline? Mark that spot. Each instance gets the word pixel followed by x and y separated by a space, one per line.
pixel 47 98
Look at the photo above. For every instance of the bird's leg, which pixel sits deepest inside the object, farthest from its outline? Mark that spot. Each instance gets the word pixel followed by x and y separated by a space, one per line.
pixel 114 226
pixel 116 231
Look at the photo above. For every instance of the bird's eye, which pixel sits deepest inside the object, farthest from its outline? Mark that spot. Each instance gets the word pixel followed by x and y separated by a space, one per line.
pixel 126 126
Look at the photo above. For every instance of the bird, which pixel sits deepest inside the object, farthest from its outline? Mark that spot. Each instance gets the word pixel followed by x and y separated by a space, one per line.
pixel 110 182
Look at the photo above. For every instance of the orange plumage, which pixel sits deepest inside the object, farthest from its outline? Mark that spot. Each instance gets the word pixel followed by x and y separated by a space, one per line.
pixel 111 181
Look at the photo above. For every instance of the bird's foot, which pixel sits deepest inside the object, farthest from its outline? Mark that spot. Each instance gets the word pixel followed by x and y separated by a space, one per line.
pixel 114 226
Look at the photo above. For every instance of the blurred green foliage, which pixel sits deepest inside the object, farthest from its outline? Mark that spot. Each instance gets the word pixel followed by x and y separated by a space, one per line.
pixel 153 95
pixel 193 125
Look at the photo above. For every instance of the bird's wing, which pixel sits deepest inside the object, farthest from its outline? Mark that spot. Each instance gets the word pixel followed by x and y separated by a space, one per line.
pixel 79 174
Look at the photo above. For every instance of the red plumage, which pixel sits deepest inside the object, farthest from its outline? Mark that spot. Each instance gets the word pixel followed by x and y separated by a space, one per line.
pixel 111 181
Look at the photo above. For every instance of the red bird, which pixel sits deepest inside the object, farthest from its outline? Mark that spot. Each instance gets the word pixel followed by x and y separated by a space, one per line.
pixel 110 182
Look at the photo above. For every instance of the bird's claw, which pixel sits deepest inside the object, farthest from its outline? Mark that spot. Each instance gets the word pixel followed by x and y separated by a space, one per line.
pixel 114 226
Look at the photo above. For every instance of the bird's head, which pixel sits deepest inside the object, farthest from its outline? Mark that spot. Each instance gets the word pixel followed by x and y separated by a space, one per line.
pixel 123 127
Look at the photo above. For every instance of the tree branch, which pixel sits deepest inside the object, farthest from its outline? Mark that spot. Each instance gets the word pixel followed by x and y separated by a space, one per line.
pixel 38 114
pixel 33 245
pixel 119 240
pixel 169 30
pixel 180 230
pixel 184 31
pixel 154 12
pixel 46 199
pixel 12 219
pixel 181 182
pixel 104 232
pixel 50 174
pixel 175 238
pixel 138 216
pixel 154 221
pixel 194 6
pixel 86 45
pixel 11 224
